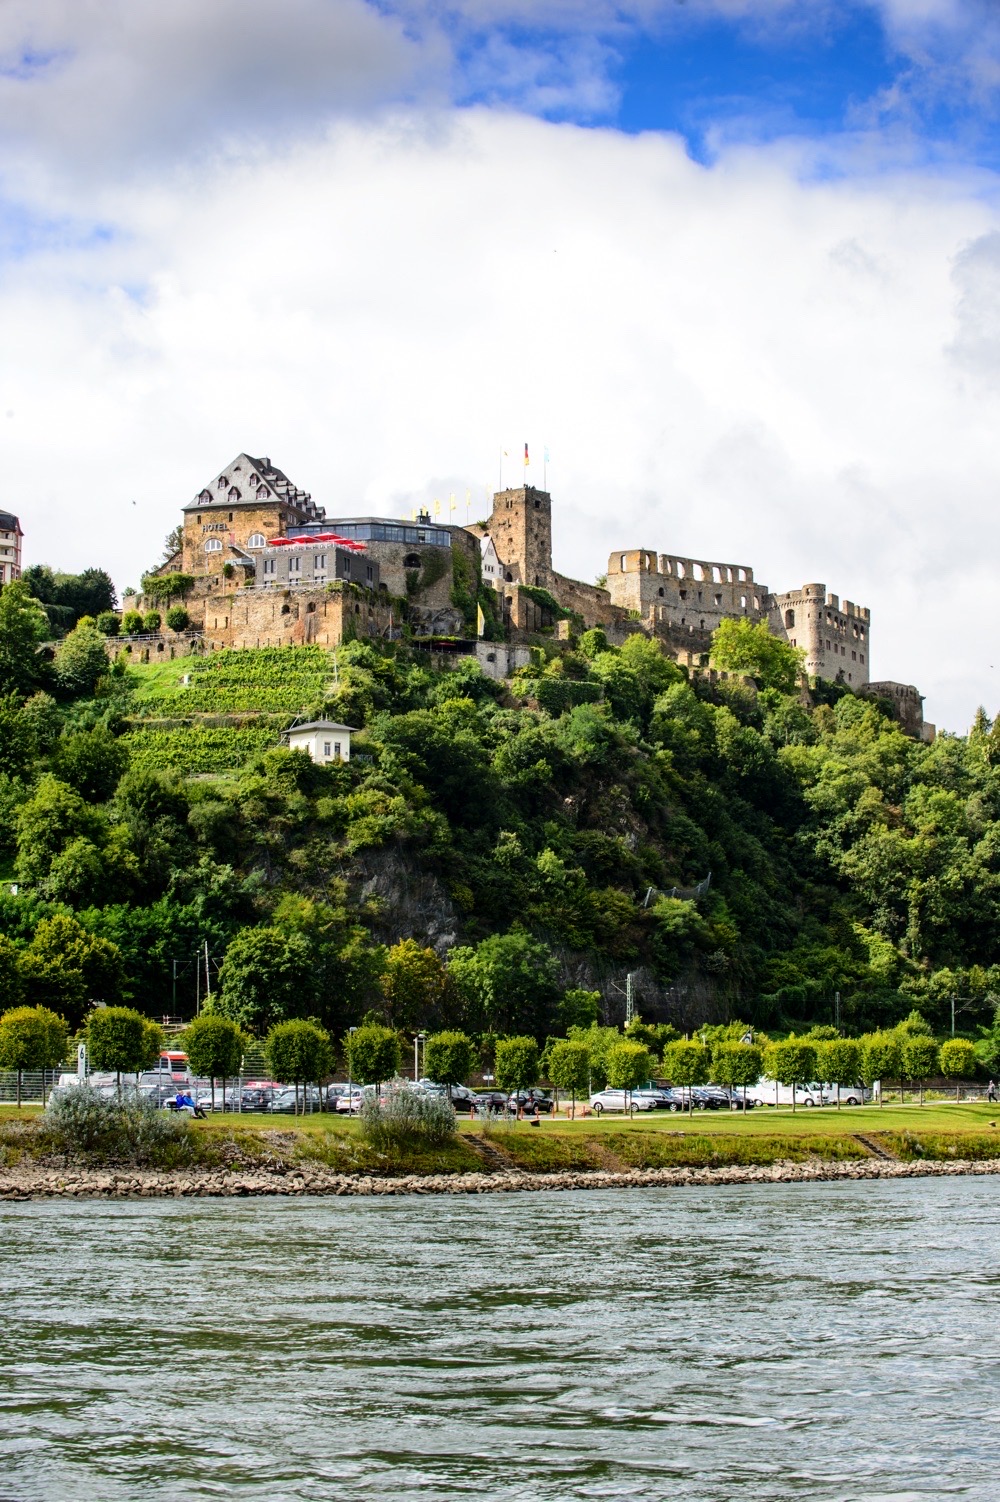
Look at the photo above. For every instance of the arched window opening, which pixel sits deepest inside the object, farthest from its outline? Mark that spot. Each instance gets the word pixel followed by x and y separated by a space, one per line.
pixel 789 618
pixel 213 545
pixel 412 560
pixel 256 540
pixel 623 564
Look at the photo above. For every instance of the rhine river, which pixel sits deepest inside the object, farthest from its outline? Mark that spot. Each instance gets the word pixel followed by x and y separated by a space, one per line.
pixel 828 1341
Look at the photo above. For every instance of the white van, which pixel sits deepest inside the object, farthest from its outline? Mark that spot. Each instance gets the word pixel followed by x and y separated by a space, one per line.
pixel 768 1092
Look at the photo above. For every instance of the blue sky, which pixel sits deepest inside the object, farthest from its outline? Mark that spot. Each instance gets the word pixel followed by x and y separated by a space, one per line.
pixel 736 263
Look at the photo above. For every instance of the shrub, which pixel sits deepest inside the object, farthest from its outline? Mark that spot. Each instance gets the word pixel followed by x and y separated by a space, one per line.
pixel 108 623
pixel 131 623
pixel 957 1060
pixel 83 1121
pixel 152 620
pixel 178 618
pixel 406 1118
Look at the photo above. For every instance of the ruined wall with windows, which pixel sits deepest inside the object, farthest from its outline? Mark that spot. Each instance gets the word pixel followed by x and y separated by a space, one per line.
pixel 835 637
pixel 680 597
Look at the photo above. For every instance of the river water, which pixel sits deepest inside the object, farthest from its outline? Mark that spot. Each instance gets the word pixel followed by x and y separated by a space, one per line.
pixel 828 1341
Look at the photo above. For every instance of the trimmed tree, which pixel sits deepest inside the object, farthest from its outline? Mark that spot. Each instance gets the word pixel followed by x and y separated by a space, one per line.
pixel 117 1038
pixel 178 618
pixel 373 1053
pixel 516 1065
pixel 881 1059
pixel 215 1047
pixel 838 1062
pixel 297 1053
pixel 569 1069
pixel 687 1063
pixel 629 1064
pixel 792 1062
pixel 957 1061
pixel 920 1059
pixel 131 622
pixel 449 1058
pixel 31 1038
pixel 736 1065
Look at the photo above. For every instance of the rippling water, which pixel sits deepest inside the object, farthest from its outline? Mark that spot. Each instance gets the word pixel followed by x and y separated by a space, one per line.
pixel 822 1341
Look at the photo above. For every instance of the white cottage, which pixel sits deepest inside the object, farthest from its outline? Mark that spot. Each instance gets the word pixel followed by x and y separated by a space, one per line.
pixel 492 567
pixel 323 740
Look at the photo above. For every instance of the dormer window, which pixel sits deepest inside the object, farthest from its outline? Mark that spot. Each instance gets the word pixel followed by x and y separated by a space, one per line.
pixel 222 482
pixel 234 494
pixel 262 492
pixel 205 497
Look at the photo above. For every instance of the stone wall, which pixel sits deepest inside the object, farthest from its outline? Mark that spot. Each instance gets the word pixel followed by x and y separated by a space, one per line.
pixel 293 617
pixel 908 703
pixel 835 637
pixel 685 594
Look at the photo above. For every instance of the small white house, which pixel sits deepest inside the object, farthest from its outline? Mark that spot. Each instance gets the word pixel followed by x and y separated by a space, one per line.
pixel 492 567
pixel 323 740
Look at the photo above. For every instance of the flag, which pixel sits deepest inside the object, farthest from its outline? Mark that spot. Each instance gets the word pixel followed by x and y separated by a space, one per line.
pixel 437 508
pixel 546 453
pixel 451 502
pixel 526 460
pixel 480 621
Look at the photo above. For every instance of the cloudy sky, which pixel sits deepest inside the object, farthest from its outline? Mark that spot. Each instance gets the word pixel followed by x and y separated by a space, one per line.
pixel 735 263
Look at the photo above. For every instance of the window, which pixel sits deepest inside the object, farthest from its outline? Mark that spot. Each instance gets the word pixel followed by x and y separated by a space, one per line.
pixel 743 602
pixel 538 505
pixel 684 594
pixel 660 590
pixel 336 749
pixel 256 540
pixel 789 618
pixel 412 560
pixel 222 482
pixel 295 565
pixel 213 545
pixel 319 561
pixel 269 565
pixel 234 495
pixel 862 657
pixel 205 497
pixel 327 749
pixel 854 656
pixel 369 571
pixel 623 564
pixel 262 492
pixel 718 599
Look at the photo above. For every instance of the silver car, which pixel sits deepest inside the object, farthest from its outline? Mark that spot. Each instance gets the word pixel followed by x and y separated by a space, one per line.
pixel 627 1101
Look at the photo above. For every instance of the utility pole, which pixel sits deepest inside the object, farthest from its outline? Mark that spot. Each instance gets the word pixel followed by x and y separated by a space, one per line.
pixel 208 978
pixel 836 1004
pixel 629 1003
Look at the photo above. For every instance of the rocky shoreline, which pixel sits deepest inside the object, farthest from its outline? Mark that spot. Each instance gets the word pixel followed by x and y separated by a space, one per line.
pixel 32 1182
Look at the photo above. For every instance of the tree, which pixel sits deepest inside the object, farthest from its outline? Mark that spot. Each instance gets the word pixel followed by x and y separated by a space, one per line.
pixel 92 762
pixel 449 1058
pixel 737 1065
pixel 67 967
pixel 838 1062
pixel 31 1038
pixel 131 623
pixel 265 978
pixel 298 1052
pixel 516 1065
pixel 508 981
pixel 109 623
pixel 81 658
pixel 117 1039
pixel 215 1047
pixel 178 618
pixel 152 621
pixel 23 626
pixel 414 984
pixel 881 1059
pixel 957 1061
pixel 579 1008
pixel 739 647
pixel 18 737
pixel 687 1064
pixel 373 1054
pixel 11 975
pixel 920 1059
pixel 569 1068
pixel 51 820
pixel 629 1065
pixel 792 1062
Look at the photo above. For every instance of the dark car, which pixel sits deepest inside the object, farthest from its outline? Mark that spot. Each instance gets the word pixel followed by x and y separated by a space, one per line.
pixel 491 1100
pixel 527 1100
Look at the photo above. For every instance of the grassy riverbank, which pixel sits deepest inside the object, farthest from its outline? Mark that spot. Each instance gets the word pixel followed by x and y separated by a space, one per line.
pixel 942 1132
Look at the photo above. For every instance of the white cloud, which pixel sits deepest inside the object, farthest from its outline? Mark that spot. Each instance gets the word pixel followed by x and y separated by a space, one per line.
pixel 738 362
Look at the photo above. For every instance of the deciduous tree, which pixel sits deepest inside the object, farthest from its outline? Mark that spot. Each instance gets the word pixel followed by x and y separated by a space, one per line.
pixel 373 1053
pixel 569 1068
pixel 31 1038
pixel 449 1058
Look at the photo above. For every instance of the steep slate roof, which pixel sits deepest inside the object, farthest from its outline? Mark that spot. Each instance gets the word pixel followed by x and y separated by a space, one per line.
pixel 9 522
pixel 320 725
pixel 278 484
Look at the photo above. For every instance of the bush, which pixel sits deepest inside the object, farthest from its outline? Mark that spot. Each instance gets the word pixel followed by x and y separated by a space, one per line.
pixel 108 623
pixel 152 620
pixel 82 1121
pixel 131 623
pixel 178 618
pixel 406 1118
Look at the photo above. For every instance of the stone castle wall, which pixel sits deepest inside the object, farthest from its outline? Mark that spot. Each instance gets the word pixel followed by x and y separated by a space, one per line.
pixel 835 638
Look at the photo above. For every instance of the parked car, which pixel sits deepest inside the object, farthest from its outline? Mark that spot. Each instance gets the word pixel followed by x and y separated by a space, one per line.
pixel 620 1100
pixel 768 1092
pixel 349 1104
pixel 492 1100
pixel 662 1099
pixel 527 1100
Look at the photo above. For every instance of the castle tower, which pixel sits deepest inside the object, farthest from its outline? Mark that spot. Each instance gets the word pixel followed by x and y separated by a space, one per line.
pixel 521 528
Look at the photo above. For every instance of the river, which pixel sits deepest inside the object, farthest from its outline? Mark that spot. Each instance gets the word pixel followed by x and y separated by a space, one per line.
pixel 827 1341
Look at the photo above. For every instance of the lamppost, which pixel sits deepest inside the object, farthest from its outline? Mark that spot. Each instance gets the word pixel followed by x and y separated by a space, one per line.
pixel 418 1038
pixel 350 1091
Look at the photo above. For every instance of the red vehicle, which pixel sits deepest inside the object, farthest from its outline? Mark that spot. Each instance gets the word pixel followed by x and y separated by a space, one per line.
pixel 175 1063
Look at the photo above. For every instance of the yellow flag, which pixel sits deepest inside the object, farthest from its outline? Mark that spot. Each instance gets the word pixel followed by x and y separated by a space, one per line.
pixel 480 621
pixel 451 502
pixel 437 508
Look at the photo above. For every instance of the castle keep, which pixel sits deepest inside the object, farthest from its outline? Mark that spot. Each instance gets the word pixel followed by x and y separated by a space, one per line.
pixel 270 567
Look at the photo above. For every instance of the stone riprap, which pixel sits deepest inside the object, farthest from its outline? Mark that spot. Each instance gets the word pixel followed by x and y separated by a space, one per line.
pixel 31 1182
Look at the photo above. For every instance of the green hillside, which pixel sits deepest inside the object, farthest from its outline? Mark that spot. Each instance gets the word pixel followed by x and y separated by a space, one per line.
pixel 742 848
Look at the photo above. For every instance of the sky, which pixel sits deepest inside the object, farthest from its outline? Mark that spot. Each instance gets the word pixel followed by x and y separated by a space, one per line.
pixel 735 264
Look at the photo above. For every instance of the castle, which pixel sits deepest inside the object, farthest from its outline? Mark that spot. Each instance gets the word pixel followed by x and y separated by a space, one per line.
pixel 269 568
